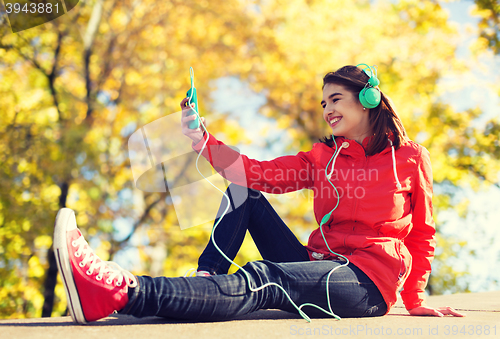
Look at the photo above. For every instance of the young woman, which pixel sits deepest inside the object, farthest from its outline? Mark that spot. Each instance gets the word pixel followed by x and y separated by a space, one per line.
pixel 376 230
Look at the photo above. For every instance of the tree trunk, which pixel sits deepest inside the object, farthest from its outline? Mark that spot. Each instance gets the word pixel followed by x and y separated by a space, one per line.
pixel 50 285
pixel 51 279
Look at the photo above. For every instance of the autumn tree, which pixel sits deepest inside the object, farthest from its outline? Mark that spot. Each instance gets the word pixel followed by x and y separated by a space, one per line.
pixel 72 91
pixel 489 25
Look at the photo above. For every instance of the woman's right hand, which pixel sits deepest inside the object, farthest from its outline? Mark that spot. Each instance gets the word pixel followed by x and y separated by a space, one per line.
pixel 194 134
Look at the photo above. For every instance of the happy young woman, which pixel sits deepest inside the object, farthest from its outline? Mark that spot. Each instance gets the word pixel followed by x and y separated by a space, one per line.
pixel 372 199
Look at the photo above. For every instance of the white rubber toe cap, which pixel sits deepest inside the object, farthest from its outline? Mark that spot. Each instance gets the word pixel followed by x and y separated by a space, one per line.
pixel 68 216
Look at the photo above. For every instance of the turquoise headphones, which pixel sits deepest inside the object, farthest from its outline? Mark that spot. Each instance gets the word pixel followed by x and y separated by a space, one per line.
pixel 370 96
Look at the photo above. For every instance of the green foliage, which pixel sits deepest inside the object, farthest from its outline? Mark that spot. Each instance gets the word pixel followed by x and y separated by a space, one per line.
pixel 489 26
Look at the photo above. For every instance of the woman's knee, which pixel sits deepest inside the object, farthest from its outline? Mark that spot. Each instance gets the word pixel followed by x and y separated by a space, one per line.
pixel 241 194
pixel 261 270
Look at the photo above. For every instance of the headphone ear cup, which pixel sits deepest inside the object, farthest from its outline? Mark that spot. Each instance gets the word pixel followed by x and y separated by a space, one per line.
pixel 369 97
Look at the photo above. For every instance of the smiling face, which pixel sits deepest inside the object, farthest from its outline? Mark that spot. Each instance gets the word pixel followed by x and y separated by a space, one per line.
pixel 344 113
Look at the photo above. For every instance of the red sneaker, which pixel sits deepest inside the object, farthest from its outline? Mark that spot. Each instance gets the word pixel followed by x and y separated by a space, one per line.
pixel 94 288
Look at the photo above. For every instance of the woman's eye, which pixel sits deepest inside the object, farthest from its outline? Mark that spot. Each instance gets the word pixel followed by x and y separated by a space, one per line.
pixel 335 100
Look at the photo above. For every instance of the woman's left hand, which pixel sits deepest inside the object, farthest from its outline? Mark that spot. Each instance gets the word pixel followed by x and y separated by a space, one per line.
pixel 437 312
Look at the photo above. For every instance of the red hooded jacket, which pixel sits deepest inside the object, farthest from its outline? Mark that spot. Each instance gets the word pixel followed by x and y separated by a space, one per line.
pixel 386 231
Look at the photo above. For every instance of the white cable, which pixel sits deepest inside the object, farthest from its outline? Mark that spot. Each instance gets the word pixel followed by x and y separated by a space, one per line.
pixel 329 176
pixel 255 289
pixel 398 184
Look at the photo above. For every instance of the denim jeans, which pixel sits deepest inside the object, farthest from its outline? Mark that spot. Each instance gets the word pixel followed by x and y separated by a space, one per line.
pixel 274 240
pixel 286 262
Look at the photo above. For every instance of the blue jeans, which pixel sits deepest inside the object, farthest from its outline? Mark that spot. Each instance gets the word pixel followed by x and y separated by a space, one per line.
pixel 286 262
pixel 273 238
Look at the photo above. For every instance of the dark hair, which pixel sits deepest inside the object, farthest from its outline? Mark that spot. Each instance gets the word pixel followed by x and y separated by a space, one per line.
pixel 383 119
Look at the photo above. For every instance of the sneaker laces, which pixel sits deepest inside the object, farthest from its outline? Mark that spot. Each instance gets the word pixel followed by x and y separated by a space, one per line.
pixel 105 267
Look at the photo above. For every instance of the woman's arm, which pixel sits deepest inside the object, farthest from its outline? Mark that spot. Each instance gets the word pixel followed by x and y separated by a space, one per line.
pixel 281 175
pixel 421 243
pixel 421 239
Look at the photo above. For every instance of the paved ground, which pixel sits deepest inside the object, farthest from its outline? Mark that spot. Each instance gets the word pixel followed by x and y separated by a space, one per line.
pixel 482 321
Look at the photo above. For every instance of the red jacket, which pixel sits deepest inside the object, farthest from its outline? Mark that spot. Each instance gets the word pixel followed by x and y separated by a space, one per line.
pixel 386 232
